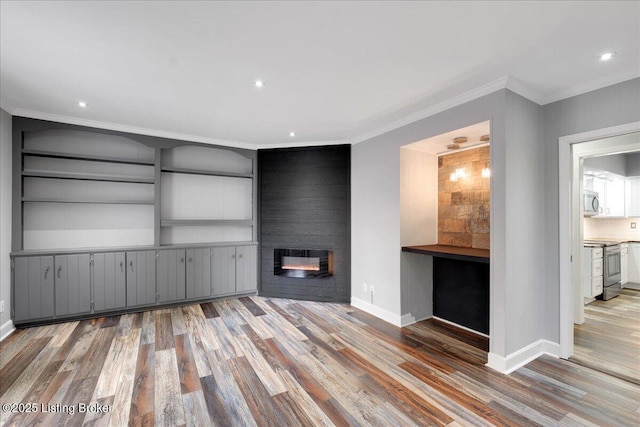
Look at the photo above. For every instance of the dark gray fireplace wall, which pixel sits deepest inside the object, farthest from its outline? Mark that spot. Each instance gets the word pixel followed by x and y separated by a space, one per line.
pixel 304 203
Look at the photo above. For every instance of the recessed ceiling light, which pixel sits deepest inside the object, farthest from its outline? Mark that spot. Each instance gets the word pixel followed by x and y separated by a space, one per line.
pixel 607 56
pixel 82 104
pixel 292 134
pixel 259 83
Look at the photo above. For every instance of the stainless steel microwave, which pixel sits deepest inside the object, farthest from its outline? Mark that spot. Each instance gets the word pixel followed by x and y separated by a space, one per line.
pixel 591 203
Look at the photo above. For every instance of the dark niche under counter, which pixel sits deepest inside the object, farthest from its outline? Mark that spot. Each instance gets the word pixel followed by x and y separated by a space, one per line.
pixel 460 284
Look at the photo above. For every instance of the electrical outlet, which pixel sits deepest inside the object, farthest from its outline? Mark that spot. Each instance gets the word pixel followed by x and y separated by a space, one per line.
pixel 633 225
pixel 364 287
pixel 2 306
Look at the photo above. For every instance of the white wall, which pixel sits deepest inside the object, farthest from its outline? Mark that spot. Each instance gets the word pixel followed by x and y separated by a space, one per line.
pixel 418 198
pixel 5 221
pixel 611 106
pixel 418 226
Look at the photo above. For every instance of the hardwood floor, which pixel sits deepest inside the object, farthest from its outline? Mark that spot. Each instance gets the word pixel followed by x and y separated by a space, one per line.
pixel 274 362
pixel 609 340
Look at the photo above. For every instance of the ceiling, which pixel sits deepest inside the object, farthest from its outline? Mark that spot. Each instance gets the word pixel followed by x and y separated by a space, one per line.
pixel 333 72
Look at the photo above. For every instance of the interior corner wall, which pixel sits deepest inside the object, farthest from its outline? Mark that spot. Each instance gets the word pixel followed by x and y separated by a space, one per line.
pixel 525 194
pixel 607 107
pixel 5 220
pixel 375 202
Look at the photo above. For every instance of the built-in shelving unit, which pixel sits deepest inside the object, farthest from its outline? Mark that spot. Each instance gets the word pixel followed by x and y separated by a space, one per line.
pixel 128 221
pixel 207 194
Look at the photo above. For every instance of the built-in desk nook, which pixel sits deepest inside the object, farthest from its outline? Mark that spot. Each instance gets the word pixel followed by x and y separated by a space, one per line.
pixel 460 284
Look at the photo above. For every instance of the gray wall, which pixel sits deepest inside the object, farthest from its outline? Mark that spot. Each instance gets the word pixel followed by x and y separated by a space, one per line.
pixel 611 106
pixel 615 163
pixel 5 219
pixel 376 216
pixel 633 164
pixel 524 195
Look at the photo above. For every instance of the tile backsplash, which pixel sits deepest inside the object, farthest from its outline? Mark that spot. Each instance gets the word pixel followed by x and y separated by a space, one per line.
pixel 612 228
pixel 463 205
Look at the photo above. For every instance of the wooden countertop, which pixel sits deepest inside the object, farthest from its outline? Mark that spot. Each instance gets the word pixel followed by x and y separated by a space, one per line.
pixel 451 252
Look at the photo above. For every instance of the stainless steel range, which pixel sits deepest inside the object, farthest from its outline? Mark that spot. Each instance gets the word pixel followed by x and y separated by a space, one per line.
pixel 612 268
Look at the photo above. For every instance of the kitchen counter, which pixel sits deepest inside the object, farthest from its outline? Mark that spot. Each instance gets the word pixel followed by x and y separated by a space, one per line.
pixel 451 252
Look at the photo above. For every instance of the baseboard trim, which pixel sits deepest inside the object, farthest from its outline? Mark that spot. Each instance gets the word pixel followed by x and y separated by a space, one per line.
pixel 464 328
pixel 519 358
pixel 6 329
pixel 381 313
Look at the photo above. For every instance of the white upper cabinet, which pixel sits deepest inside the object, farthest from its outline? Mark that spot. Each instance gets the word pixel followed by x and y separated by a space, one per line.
pixel 618 196
pixel 632 196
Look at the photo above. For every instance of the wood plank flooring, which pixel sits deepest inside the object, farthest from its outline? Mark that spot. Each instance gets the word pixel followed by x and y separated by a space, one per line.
pixel 609 340
pixel 257 361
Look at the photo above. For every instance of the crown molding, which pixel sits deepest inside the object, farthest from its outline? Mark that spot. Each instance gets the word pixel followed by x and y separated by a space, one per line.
pixel 452 102
pixel 130 129
pixel 303 144
pixel 592 85
pixel 521 89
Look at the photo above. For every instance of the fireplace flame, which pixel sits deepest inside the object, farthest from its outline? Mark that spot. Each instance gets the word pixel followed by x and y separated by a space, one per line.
pixel 301 267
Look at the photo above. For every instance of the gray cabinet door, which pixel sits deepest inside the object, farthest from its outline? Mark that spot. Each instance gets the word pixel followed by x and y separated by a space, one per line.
pixel 246 269
pixel 198 273
pixel 33 288
pixel 73 284
pixel 171 275
pixel 141 278
pixel 109 281
pixel 223 270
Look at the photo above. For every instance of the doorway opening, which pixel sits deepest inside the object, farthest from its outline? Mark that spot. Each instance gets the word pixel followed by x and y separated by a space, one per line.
pixel 576 151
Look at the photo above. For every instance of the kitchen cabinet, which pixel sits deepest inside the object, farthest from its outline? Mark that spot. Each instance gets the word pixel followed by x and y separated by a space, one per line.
pixel 171 275
pixel 33 292
pixel 72 283
pixel 198 272
pixel 633 265
pixel 593 270
pixel 109 281
pixel 233 270
pixel 614 198
pixel 141 278
pixel 632 192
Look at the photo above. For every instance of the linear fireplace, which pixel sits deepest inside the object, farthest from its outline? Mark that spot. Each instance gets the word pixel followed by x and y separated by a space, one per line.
pixel 302 263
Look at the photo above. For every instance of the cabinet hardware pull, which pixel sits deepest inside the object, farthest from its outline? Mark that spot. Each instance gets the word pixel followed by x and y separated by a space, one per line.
pixel 121 267
pixel 182 260
pixel 190 259
pixel 240 256
pixel 46 271
pixel 131 265
pixel 59 270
